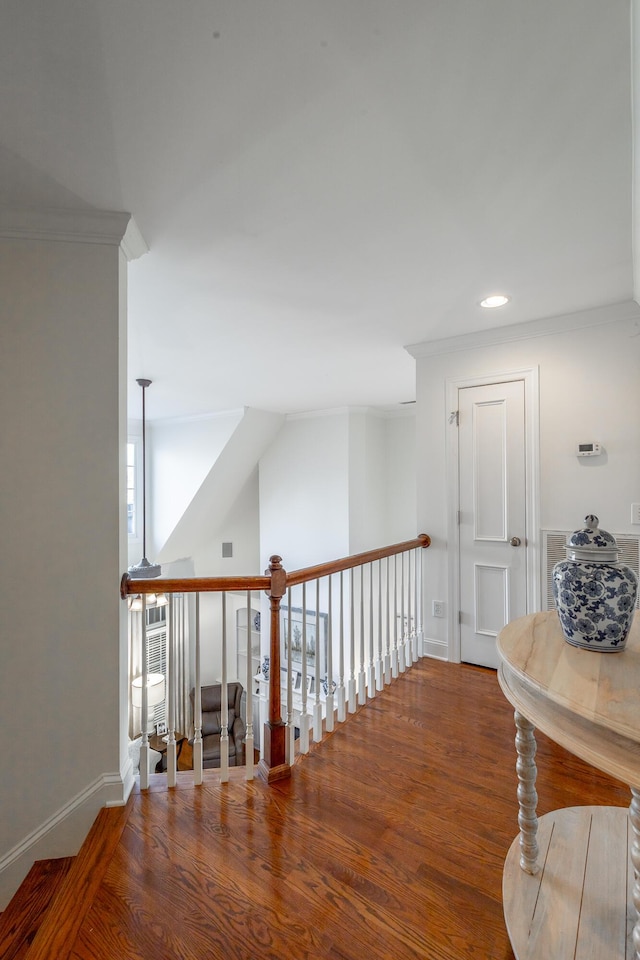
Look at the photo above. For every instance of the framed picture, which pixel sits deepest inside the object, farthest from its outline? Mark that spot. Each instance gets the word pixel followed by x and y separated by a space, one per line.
pixel 312 627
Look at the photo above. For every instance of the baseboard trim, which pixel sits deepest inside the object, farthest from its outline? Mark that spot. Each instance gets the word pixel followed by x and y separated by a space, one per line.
pixel 63 833
pixel 435 648
pixel 128 782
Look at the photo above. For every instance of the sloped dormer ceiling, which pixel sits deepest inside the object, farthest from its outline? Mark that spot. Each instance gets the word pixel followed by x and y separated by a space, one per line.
pixel 217 493
pixel 321 183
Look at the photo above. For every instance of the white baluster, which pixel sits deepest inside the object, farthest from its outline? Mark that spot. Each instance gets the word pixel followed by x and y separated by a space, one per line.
pixel 304 716
pixel 352 645
pixel 527 795
pixel 409 644
pixel 144 703
pixel 329 708
pixel 317 709
pixel 197 706
pixel 413 622
pixel 634 821
pixel 342 698
pixel 419 652
pixel 371 669
pixel 402 661
pixel 224 691
pixel 413 599
pixel 394 651
pixel 249 681
pixel 387 655
pixel 172 759
pixel 362 676
pixel 379 660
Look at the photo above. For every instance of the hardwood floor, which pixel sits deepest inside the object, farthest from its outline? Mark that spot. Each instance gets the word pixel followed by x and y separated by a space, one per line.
pixel 387 842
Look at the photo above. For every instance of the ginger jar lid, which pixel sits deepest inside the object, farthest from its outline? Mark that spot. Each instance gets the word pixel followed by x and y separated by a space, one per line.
pixel 592 543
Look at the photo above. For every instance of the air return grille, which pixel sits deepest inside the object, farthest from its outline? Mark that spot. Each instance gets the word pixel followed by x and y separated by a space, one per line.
pixel 553 550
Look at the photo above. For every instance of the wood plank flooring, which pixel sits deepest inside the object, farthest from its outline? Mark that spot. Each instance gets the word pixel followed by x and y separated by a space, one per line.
pixel 21 920
pixel 387 842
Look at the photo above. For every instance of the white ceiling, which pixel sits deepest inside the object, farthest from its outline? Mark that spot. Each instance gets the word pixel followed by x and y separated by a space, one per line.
pixel 321 182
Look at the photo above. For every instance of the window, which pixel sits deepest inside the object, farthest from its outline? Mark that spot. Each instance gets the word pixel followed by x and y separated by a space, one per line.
pixel 157 652
pixel 132 489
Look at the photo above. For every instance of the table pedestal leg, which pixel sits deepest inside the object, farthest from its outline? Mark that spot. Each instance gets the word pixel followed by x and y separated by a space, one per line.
pixel 634 820
pixel 527 796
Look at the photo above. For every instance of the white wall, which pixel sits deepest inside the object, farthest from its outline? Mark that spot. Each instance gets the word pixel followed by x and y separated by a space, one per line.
pixel 217 495
pixel 367 481
pixel 400 477
pixel 63 523
pixel 589 390
pixel 304 491
pixel 336 483
pixel 180 456
pixel 382 478
pixel 241 528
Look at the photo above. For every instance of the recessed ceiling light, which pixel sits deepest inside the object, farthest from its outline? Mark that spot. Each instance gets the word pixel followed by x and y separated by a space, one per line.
pixel 497 300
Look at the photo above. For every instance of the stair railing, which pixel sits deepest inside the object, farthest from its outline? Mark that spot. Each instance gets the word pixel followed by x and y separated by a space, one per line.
pixel 338 632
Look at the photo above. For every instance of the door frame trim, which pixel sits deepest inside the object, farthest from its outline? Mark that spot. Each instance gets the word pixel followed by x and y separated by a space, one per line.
pixel 531 378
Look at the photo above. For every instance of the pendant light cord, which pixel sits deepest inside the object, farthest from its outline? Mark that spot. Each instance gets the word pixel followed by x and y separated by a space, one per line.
pixel 144 384
pixel 144 569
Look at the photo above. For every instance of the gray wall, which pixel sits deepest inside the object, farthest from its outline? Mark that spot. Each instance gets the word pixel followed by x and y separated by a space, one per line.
pixel 62 516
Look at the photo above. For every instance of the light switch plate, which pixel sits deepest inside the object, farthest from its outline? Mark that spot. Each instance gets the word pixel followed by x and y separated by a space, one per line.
pixel 635 513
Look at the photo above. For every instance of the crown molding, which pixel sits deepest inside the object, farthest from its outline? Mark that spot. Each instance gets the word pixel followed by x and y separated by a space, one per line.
pixel 133 244
pixel 73 226
pixel 315 414
pixel 233 413
pixel 563 323
pixel 386 412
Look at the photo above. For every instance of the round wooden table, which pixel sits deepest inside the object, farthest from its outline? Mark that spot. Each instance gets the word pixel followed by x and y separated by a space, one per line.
pixel 570 882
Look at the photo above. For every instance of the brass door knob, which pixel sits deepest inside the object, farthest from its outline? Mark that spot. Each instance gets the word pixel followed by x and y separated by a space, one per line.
pixel 515 541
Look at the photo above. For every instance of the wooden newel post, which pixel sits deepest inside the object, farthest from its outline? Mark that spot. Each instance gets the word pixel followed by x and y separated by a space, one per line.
pixel 273 766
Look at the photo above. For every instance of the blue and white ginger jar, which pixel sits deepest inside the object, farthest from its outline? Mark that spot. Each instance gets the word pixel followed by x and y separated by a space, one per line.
pixel 595 595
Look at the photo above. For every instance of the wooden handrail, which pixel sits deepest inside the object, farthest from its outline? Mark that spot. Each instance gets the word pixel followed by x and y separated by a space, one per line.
pixel 129 587
pixel 356 560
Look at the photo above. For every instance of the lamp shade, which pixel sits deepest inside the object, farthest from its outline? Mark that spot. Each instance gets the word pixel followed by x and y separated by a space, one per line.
pixel 155 690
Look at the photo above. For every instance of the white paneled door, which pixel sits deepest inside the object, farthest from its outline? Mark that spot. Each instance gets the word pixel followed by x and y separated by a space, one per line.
pixel 492 473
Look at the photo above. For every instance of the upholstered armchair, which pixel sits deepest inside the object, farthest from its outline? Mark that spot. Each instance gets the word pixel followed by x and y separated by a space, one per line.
pixel 212 724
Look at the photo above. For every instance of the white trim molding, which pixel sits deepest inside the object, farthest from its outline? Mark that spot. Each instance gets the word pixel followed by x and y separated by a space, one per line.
pixel 84 225
pixel 437 649
pixel 627 310
pixel 133 244
pixel 63 833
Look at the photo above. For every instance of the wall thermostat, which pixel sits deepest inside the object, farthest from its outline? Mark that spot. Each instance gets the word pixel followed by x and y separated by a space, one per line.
pixel 592 449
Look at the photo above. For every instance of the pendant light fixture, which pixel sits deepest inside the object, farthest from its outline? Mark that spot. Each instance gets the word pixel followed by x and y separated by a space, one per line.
pixel 145 569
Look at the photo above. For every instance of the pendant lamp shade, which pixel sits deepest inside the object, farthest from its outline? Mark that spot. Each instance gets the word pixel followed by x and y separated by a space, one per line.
pixel 145 569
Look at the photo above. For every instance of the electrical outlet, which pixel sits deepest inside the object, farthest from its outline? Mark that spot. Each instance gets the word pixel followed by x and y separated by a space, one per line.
pixel 438 608
pixel 635 513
